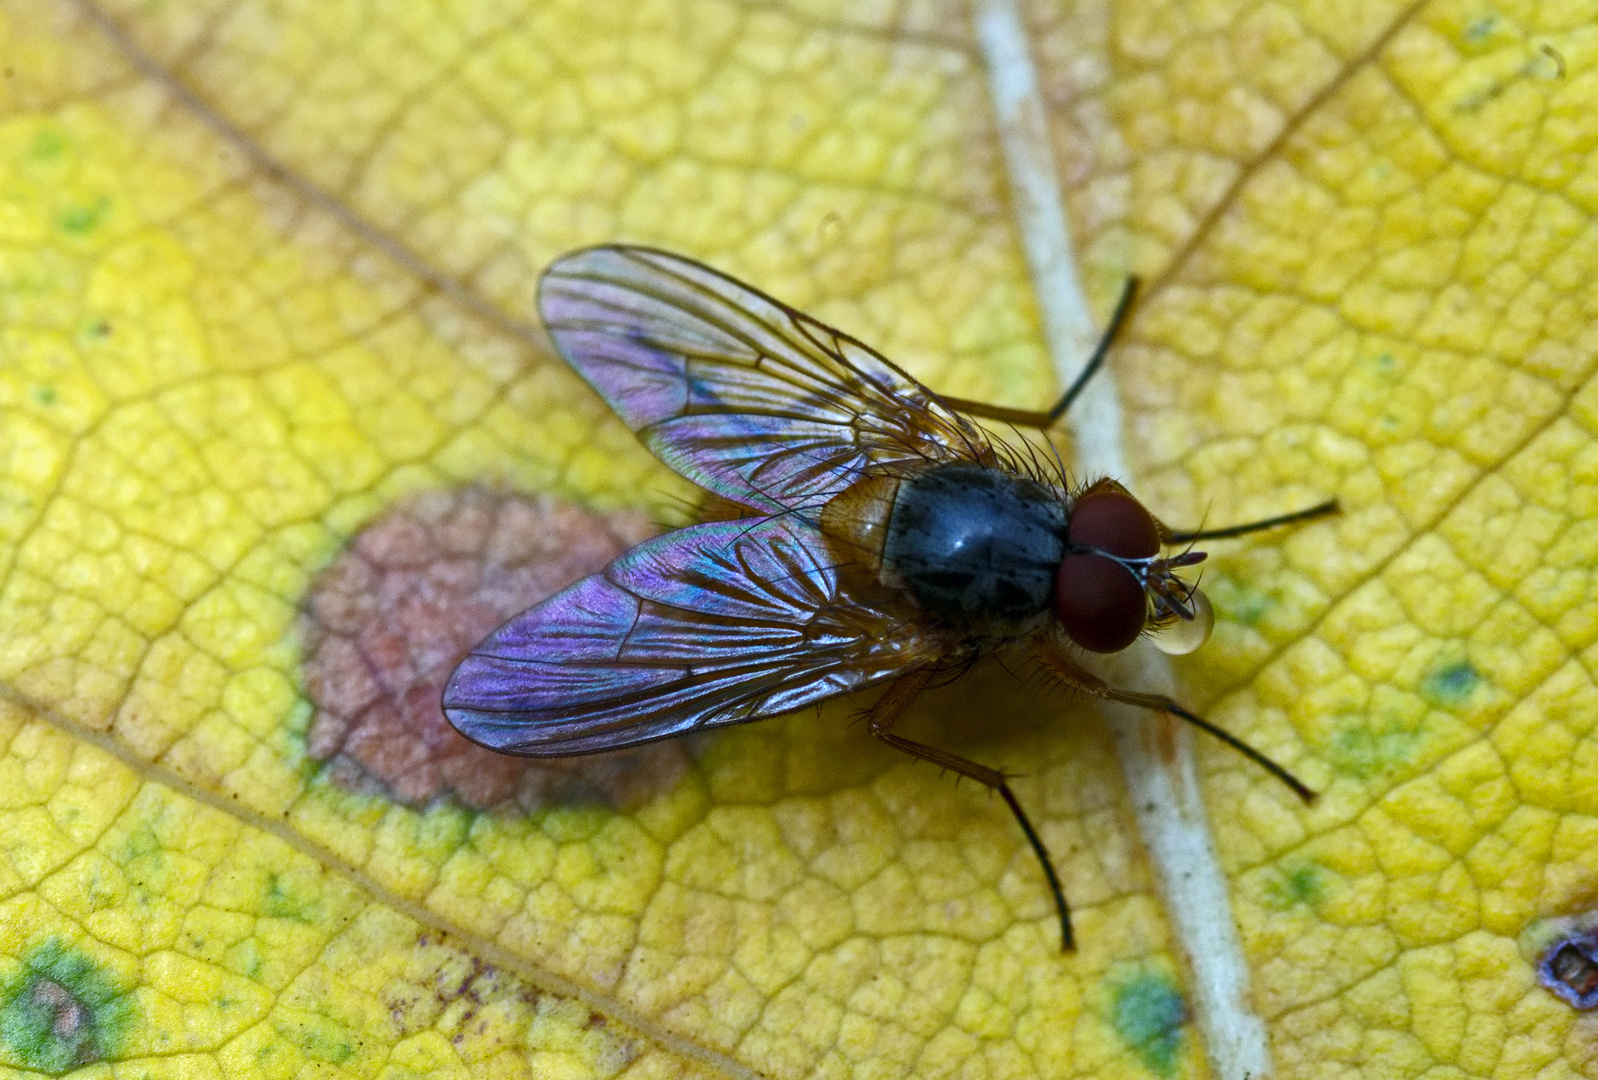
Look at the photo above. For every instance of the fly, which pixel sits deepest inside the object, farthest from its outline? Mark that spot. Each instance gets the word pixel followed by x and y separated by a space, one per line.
pixel 866 532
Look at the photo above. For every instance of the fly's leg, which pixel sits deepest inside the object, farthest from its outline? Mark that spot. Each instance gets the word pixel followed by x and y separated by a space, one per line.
pixel 881 719
pixel 1063 666
pixel 1046 419
pixel 1322 510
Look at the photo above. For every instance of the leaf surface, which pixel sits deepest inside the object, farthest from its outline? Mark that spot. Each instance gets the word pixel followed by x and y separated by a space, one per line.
pixel 279 433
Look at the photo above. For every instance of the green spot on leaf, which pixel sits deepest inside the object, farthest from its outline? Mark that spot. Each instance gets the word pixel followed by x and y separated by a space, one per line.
pixel 1149 1014
pixel 286 899
pixel 246 959
pixel 443 830
pixel 1295 886
pixel 1480 29
pixel 1365 752
pixel 298 721
pixel 1239 601
pixel 1451 684
pixel 47 144
pixel 44 395
pixel 60 1011
pixel 142 842
pixel 324 1039
pixel 573 824
pixel 83 219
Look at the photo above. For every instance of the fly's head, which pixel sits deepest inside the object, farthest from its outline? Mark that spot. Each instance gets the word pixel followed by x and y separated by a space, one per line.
pixel 1113 585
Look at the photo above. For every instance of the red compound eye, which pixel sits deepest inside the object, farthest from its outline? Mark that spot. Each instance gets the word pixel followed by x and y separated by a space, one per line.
pixel 1099 603
pixel 1114 522
pixel 1097 600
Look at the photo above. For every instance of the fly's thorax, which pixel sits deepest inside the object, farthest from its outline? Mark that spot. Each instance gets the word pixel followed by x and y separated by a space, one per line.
pixel 976 547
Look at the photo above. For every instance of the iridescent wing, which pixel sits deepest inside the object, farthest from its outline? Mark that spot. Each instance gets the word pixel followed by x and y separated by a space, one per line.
pixel 738 392
pixel 710 625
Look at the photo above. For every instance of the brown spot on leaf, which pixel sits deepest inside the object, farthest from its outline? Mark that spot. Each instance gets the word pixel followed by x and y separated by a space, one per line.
pixel 389 620
pixel 60 1010
pixel 68 1012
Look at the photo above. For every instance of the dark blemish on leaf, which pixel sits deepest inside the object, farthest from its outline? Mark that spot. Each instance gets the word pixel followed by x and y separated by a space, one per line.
pixel 459 997
pixel 1149 1014
pixel 1562 950
pixel 1451 684
pixel 389 620
pixel 1570 969
pixel 467 987
pixel 61 1011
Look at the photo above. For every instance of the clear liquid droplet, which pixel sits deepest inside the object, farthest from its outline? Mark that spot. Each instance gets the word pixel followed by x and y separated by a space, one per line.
pixel 1186 635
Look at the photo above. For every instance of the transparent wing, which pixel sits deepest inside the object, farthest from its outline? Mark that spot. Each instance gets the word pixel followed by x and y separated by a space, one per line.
pixel 738 392
pixel 710 625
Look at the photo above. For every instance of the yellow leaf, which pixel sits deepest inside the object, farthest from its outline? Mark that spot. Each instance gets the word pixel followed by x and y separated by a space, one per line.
pixel 280 434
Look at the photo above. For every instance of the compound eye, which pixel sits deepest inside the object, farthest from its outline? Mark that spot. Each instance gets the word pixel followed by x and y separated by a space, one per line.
pixel 1099 603
pixel 1182 636
pixel 1114 522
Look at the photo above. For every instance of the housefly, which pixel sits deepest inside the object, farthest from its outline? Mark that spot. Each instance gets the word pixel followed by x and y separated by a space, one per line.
pixel 866 531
